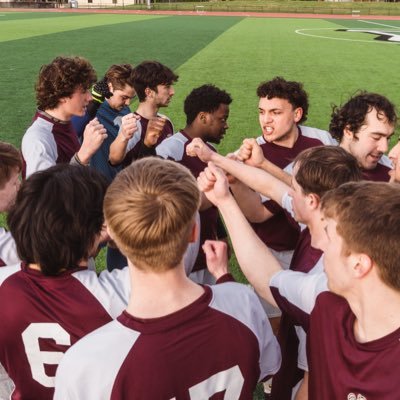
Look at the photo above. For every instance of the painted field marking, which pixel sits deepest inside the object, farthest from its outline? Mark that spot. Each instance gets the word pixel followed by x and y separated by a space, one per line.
pixel 396 41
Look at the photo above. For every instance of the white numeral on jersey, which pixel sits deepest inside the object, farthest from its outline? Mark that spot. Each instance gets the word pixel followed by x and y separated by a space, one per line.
pixel 231 380
pixel 38 358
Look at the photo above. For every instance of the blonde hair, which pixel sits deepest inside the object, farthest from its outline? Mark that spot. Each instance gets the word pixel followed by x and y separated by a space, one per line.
pixel 150 210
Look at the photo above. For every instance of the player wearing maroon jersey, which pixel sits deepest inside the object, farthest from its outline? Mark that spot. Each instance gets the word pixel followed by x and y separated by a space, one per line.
pixel 52 299
pixel 10 169
pixel 141 131
pixel 316 171
pixel 363 127
pixel 353 331
pixel 283 106
pixel 62 91
pixel 176 339
pixel 207 111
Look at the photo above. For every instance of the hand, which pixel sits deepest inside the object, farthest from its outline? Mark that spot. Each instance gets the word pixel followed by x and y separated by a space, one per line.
pixel 128 126
pixel 217 257
pixel 153 132
pixel 93 137
pixel 197 148
pixel 251 153
pixel 214 183
pixel 231 179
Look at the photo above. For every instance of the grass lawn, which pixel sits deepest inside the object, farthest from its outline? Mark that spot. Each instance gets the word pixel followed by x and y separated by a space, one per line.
pixel 235 53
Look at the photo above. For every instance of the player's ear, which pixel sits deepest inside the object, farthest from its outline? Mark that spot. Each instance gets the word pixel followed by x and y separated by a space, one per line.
pixel 194 232
pixel 202 116
pixel 347 133
pixel 298 113
pixel 148 92
pixel 314 201
pixel 110 87
pixel 362 264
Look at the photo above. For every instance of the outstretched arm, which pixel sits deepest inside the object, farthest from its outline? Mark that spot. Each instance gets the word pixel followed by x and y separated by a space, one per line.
pixel 250 153
pixel 255 178
pixel 255 260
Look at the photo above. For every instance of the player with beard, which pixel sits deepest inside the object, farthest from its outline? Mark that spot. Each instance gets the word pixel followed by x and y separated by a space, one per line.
pixel 153 83
pixel 207 112
pixel 363 127
pixel 62 91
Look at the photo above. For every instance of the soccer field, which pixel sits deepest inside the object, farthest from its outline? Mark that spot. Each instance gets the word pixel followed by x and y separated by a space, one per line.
pixel 333 58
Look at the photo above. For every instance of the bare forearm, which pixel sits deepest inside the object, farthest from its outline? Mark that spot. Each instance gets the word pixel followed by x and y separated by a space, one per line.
pixel 255 178
pixel 118 150
pixel 255 260
pixel 250 203
pixel 277 172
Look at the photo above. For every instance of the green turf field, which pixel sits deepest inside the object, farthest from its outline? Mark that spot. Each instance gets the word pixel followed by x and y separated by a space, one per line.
pixel 235 53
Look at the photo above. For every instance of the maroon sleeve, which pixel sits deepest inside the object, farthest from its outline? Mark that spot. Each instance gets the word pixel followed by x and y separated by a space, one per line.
pixel 228 277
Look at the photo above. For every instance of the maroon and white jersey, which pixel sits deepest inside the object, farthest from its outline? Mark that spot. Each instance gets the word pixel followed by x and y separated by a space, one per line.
pixel 340 366
pixel 276 232
pixel 380 173
pixel 47 142
pixel 41 317
pixel 135 144
pixel 292 338
pixel 174 148
pixel 218 347
pixel 8 250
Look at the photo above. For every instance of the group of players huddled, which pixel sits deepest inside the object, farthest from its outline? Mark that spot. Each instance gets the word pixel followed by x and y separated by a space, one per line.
pixel 313 217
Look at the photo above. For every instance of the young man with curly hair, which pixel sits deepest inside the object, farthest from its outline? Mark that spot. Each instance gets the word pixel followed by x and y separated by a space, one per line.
pixel 176 339
pixel 363 126
pixel 153 83
pixel 62 91
pixel 207 111
pixel 10 170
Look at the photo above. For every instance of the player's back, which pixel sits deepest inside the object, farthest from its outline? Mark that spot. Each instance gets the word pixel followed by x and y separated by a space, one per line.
pixel 219 346
pixel 42 317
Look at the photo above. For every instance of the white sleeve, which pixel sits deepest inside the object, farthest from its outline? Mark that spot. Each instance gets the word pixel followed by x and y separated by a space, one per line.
pixel 6 384
pixel 135 139
pixel 8 250
pixel 297 290
pixel 192 250
pixel 39 148
pixel 111 289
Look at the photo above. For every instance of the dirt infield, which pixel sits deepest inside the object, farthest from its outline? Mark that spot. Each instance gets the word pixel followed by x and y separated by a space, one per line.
pixel 208 13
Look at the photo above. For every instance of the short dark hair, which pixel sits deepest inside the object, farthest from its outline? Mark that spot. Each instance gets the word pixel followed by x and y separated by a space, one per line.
pixel 61 78
pixel 206 98
pixel 291 91
pixel 120 75
pixel 353 113
pixel 323 168
pixel 57 215
pixel 150 74
pixel 10 161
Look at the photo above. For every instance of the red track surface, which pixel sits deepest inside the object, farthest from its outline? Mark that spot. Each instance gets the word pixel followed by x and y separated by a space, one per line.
pixel 209 13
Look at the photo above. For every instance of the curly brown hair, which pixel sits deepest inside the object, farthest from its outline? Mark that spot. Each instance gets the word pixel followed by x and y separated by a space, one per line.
pixel 352 114
pixel 61 78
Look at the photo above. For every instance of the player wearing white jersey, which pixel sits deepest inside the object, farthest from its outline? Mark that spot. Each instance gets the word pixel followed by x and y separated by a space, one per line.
pixel 176 339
